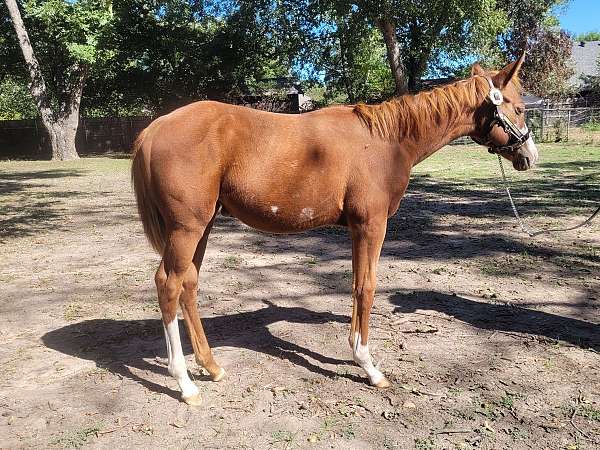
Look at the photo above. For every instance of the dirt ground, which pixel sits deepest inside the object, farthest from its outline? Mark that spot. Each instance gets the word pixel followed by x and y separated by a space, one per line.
pixel 491 339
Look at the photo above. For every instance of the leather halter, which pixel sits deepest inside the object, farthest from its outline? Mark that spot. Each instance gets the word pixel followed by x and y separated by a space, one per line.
pixel 517 136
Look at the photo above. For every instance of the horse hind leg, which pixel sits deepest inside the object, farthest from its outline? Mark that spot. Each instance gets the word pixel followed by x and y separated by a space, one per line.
pixel 181 245
pixel 189 306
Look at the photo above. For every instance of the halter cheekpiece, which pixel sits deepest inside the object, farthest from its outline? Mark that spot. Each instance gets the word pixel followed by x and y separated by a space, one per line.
pixel 517 136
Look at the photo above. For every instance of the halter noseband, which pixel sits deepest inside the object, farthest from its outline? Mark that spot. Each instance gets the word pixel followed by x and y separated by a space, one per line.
pixel 517 136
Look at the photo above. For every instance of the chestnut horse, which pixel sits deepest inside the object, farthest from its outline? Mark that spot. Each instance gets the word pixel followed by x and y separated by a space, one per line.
pixel 341 165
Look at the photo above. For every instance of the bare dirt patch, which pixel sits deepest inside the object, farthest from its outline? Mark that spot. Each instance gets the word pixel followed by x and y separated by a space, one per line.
pixel 491 339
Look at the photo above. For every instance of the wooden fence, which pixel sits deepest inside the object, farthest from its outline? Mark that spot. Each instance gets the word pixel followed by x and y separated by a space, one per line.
pixel 28 138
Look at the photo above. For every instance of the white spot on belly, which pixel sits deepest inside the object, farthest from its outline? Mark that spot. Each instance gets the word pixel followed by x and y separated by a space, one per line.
pixel 307 213
pixel 274 209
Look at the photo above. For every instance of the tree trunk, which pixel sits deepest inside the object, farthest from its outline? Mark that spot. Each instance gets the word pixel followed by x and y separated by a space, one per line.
pixel 393 54
pixel 61 127
pixel 62 137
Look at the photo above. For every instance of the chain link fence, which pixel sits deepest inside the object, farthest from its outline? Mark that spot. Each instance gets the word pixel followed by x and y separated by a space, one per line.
pixel 563 124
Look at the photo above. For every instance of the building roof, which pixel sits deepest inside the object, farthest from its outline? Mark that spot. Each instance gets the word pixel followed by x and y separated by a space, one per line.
pixel 585 59
pixel 532 101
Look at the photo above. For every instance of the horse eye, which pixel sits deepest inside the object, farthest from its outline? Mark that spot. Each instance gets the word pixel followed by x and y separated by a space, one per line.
pixel 520 110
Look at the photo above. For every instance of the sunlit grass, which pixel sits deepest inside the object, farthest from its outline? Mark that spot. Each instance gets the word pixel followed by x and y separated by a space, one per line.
pixel 472 162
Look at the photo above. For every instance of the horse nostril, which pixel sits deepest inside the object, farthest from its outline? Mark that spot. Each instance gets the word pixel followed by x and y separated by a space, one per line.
pixel 527 163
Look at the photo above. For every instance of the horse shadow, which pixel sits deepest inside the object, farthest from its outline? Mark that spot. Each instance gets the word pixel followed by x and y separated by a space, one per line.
pixel 502 317
pixel 102 341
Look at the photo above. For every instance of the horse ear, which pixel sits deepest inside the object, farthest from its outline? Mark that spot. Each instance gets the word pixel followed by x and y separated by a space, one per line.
pixel 502 78
pixel 476 69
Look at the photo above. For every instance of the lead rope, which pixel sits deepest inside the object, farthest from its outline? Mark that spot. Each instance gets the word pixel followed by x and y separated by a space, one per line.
pixel 527 229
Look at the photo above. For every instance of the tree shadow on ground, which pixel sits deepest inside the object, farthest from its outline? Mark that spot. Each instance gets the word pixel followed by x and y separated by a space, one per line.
pixel 502 317
pixel 560 189
pixel 29 206
pixel 117 345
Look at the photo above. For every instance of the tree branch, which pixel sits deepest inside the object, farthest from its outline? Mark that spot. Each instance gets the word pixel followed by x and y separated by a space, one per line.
pixel 37 85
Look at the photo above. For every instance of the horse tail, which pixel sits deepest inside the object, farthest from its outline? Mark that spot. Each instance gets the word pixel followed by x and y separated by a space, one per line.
pixel 153 222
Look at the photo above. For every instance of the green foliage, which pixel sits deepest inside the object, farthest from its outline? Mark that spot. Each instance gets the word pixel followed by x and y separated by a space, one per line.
pixel 149 56
pixel 547 70
pixel 432 35
pixel 166 54
pixel 589 36
pixel 15 101
pixel 65 36
pixel 534 28
pixel 354 63
pixel 441 33
pixel 589 412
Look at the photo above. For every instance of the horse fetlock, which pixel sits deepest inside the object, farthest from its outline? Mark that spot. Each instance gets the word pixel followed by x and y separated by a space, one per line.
pixel 362 357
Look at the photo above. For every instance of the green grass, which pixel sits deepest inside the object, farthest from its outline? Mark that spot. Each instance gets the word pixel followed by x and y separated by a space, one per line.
pixel 101 165
pixel 232 262
pixel 591 126
pixel 589 412
pixel 77 438
pixel 467 162
pixel 424 444
pixel 282 436
pixel 566 177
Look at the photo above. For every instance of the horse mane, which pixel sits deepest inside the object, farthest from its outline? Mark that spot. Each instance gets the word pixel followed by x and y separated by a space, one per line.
pixel 412 115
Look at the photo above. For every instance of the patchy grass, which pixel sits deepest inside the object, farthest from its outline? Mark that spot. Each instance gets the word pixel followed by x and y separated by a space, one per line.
pixel 589 412
pixel 73 311
pixel 424 444
pixel 77 438
pixel 232 262
pixel 507 401
pixel 282 436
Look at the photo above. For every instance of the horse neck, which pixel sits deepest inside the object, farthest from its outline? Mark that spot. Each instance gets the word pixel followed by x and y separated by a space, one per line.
pixel 448 113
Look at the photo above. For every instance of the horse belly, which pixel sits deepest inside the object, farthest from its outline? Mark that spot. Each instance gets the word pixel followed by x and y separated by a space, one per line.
pixel 283 210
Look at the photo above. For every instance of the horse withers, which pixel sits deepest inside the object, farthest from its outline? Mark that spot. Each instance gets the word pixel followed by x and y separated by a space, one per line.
pixel 341 165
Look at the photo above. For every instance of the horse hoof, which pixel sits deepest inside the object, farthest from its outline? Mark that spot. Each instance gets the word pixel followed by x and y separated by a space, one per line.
pixel 193 400
pixel 382 384
pixel 219 376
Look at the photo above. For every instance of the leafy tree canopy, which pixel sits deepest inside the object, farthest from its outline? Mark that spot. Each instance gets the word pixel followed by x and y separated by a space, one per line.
pixel 589 36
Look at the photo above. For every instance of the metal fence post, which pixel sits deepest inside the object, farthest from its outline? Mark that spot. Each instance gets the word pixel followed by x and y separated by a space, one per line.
pixel 542 136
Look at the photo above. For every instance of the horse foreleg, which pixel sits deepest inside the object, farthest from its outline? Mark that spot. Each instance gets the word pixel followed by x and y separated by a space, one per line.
pixel 367 240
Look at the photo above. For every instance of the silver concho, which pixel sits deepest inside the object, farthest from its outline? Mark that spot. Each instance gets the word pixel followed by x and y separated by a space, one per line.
pixel 496 96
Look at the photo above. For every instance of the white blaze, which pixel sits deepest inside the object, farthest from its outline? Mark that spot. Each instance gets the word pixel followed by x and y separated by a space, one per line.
pixel 532 150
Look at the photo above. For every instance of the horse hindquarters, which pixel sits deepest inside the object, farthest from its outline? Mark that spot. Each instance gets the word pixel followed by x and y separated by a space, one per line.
pixel 177 222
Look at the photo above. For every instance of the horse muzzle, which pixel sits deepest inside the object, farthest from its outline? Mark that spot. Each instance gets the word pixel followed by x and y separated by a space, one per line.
pixel 526 156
